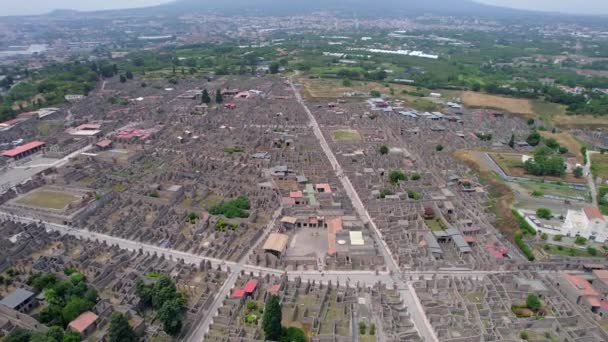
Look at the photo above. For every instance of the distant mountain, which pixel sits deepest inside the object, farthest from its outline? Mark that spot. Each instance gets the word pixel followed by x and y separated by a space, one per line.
pixel 347 7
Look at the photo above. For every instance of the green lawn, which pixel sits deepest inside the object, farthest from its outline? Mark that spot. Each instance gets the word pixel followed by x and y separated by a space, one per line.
pixel 599 165
pixel 435 224
pixel 346 135
pixel 48 199
pixel 555 189
pixel 546 110
pixel 566 251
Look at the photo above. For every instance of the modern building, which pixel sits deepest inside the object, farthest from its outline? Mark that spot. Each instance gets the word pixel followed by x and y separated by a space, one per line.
pixel 20 300
pixel 588 223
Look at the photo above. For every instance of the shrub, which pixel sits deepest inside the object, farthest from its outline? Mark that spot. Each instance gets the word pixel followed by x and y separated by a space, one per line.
pixel 439 148
pixel 532 302
pixel 558 237
pixel 592 251
pixel 537 193
pixel 362 328
pixel 375 93
pixel 384 149
pixel 525 249
pixel 543 213
pixel 524 335
pixel 386 192
pixel 396 176
pixel 544 236
pixel 580 240
pixel 416 176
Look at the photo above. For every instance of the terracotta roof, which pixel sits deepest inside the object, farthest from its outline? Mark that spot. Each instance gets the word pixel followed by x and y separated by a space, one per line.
pixel 276 242
pixel 104 143
pixel 333 226
pixel 601 275
pixel 593 300
pixel 238 293
pixel 274 289
pixel 289 219
pixel 23 148
pixel 250 286
pixel 82 322
pixel 593 213
pixel 583 287
pixel 295 194
pixel 326 188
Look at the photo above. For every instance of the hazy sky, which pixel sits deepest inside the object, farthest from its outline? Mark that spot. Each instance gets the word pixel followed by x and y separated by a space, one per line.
pixel 16 7
pixel 568 6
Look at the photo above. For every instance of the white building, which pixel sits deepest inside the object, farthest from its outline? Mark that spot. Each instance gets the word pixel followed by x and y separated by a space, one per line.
pixel 588 223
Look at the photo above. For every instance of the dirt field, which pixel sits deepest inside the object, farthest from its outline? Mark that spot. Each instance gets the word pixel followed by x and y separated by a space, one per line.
pixel 580 121
pixel 568 141
pixel 48 199
pixel 511 105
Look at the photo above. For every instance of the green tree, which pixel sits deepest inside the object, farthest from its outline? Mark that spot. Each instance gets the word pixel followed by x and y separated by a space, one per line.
pixel 18 335
pixel 272 319
pixel 533 303
pixel 293 334
pixel 439 148
pixel 579 240
pixel 534 138
pixel 544 236
pixel 123 79
pixel 206 99
pixel 375 93
pixel 578 172
pixel 512 141
pixel 74 307
pixel 347 83
pixel 362 328
pixel 552 143
pixel 557 237
pixel 592 251
pixel 384 149
pixel 170 314
pixel 274 68
pixel 218 97
pixel 543 213
pixel 396 176
pixel 129 75
pixel 71 336
pixel 120 330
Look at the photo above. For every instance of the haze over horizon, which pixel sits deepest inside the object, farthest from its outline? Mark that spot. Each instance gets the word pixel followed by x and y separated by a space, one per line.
pixel 33 7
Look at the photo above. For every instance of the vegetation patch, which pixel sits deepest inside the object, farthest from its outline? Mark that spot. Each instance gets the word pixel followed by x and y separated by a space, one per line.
pixel 346 135
pixel 238 207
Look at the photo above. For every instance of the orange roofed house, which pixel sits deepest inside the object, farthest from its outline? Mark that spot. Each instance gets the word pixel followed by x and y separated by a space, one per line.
pixel 84 324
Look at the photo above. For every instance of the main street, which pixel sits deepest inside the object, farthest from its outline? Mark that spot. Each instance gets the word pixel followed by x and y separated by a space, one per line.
pixel 410 298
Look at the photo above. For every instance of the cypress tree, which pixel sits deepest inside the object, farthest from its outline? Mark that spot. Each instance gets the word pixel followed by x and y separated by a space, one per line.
pixel 272 319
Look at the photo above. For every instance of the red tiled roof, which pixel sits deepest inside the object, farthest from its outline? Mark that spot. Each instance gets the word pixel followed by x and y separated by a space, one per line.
pixel 82 322
pixel 250 286
pixel 238 293
pixel 581 285
pixel 23 148
pixel 274 289
pixel 593 301
pixel 295 194
pixel 104 143
pixel 593 213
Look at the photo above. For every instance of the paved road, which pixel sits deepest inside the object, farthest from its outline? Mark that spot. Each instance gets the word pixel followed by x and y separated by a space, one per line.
pixel 347 185
pixel 421 322
pixel 590 179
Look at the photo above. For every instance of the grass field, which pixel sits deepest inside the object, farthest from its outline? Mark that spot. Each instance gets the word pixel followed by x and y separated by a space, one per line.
pixel 328 88
pixel 48 199
pixel 566 140
pixel 508 104
pixel 434 225
pixel 547 110
pixel 553 189
pixel 580 121
pixel 346 135
pixel 512 165
pixel 565 251
pixel 599 165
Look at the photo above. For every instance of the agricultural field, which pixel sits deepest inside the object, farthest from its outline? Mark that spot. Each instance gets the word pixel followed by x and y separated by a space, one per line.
pixel 580 121
pixel 508 104
pixel 48 199
pixel 345 135
pixel 599 165
pixel 331 88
